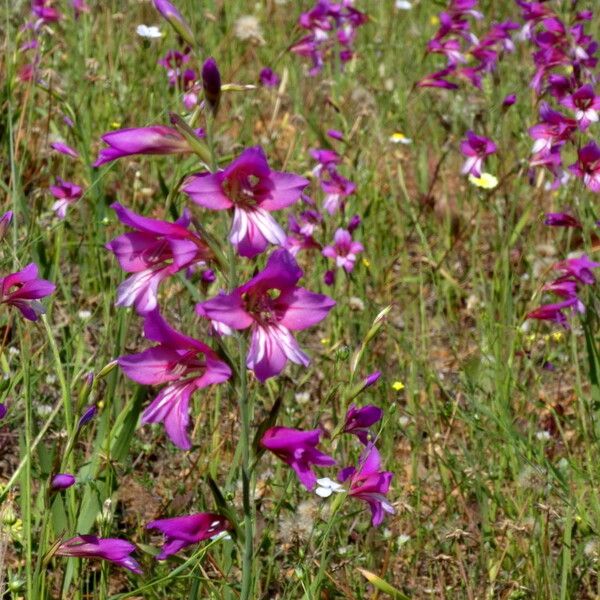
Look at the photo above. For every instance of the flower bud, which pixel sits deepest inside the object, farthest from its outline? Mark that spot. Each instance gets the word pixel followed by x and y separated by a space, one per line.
pixel 5 221
pixel 211 82
pixel 175 19
pixel 62 481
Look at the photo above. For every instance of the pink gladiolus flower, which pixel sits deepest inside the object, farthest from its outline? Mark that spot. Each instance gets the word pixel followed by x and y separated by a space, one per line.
pixel 359 420
pixel 66 193
pixel 79 7
pixel 271 318
pixel 44 10
pixel 476 148
pixel 438 79
pixel 153 252
pixel 176 362
pixel 588 166
pixel 252 190
pixel 580 268
pixel 337 189
pixel 23 290
pixel 181 532
pixel 554 312
pixel 111 549
pixel 344 250
pixel 64 149
pixel 561 220
pixel 585 104
pixel 158 139
pixel 370 484
pixel 298 449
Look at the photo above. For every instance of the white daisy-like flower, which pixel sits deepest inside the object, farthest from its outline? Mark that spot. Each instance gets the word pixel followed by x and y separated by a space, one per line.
pixel 148 31
pixel 400 138
pixel 326 487
pixel 403 5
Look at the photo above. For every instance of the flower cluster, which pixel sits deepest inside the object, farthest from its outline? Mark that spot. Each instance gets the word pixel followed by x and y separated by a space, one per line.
pixel 332 28
pixel 468 57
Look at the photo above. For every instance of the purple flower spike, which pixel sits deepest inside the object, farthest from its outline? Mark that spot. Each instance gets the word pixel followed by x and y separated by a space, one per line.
pixel 211 82
pixel 298 449
pixel 64 149
pixel 580 268
pixel 588 166
pixel 158 139
pixel 111 549
pixel 273 306
pixel 62 481
pixel 476 148
pixel 370 484
pixel 585 104
pixel 154 251
pixel 252 190
pixel 181 532
pixel 268 77
pixel 66 193
pixel 358 421
pixel 175 19
pixel 23 290
pixel 175 361
pixel 344 250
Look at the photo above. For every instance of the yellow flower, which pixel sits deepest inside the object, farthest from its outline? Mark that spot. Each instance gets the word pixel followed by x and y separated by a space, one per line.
pixel 400 138
pixel 397 386
pixel 115 124
pixel 325 341
pixel 434 20
pixel 557 336
pixel 487 181
pixel 366 262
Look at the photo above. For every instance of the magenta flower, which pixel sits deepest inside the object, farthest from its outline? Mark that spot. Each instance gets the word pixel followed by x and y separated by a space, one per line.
pixel 252 190
pixel 181 532
pixel 111 549
pixel 271 316
pixel 64 149
pixel 158 139
pixel 23 290
pixel 561 220
pixel 3 411
pixel 585 104
pixel 175 361
pixel 344 250
pixel 44 10
pixel 268 77
pixel 476 148
pixel 153 252
pixel 370 484
pixel 579 268
pixel 66 193
pixel 62 481
pixel 554 312
pixel 298 449
pixel 588 166
pixel 554 130
pixel 79 7
pixel 175 19
pixel 439 79
pixel 358 421
pixel 337 188
pixel 5 221
pixel 509 100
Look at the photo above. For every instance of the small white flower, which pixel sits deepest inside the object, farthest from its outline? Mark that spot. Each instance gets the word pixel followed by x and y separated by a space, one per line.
pixel 146 31
pixel 84 315
pixel 403 5
pixel 486 181
pixel 326 487
pixel 543 436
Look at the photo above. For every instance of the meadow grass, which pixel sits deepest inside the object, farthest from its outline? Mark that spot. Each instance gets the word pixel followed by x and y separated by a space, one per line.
pixel 495 458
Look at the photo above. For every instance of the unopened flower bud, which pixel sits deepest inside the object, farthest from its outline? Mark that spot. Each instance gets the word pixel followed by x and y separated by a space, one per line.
pixel 62 481
pixel 211 82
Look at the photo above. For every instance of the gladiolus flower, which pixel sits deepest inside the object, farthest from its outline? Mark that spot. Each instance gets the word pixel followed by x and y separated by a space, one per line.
pixel 181 532
pixel 344 250
pixel 271 316
pixel 358 421
pixel 268 77
pixel 153 252
pixel 585 104
pixel 64 149
pixel 298 449
pixel 476 148
pixel 176 362
pixel 158 139
pixel 588 166
pixel 23 290
pixel 252 190
pixel 211 83
pixel 561 220
pixel 5 221
pixel 66 193
pixel 111 549
pixel 175 19
pixel 370 484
